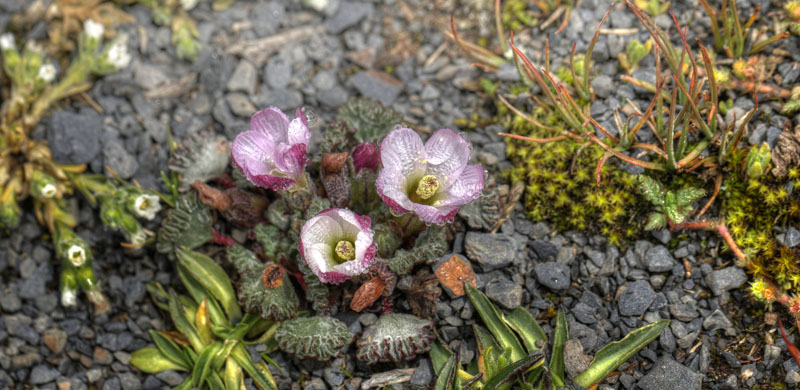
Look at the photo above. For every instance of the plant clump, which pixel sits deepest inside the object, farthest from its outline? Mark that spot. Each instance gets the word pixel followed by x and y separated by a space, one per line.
pixel 395 337
pixel 263 290
pixel 320 338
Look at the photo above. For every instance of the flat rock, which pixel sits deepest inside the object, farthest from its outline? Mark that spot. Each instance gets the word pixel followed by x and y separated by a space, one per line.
pixel 377 85
pixel 244 78
pixel 716 320
pixel 726 279
pixel 659 259
pixel 348 14
pixel 553 275
pixel 636 298
pixel 491 251
pixel 667 374
pixel 74 138
pixel 504 292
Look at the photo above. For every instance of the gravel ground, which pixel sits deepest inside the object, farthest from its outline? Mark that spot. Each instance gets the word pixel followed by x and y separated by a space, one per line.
pixel 717 338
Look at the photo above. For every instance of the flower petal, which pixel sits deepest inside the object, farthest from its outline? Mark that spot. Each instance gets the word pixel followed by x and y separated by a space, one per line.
pixel 391 188
pixel 402 150
pixel 446 153
pixel 252 148
pixel 466 187
pixel 431 214
pixel 271 121
pixel 321 228
pixel 298 131
pixel 291 160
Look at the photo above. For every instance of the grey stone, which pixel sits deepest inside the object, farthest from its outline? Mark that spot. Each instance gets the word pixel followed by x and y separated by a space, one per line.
pixel 285 99
pixel 659 259
pixel 74 138
pixel 333 375
pixel 10 301
pixel 240 105
pixel 505 292
pixel 149 76
pixel 730 383
pixel 278 72
pixel 333 97
pixel 553 275
pixel 772 136
pixel 636 298
pixel 726 279
pixel 348 14
pixel 575 361
pixel 112 384
pixel 315 384
pixel 491 251
pixel 119 160
pixel 244 78
pixel 792 378
pixel 324 80
pixel 170 377
pixel 687 341
pixel 42 374
pixel 544 250
pixel 667 340
pixel 716 320
pixel 129 381
pixel 683 311
pixel 269 16
pixel 423 375
pixel 791 238
pixel 377 85
pixel 584 313
pixel 667 374
pixel 603 86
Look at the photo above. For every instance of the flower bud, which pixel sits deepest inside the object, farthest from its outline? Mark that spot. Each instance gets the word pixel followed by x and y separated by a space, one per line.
pixel 365 155
pixel 43 186
pixel 69 287
pixel 758 160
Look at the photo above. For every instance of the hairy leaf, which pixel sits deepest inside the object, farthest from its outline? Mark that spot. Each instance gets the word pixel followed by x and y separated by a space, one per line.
pixel 651 190
pixel 686 196
pixel 277 303
pixel 655 221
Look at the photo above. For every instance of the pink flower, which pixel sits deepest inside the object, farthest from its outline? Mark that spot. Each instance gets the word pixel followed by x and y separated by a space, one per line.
pixel 430 180
pixel 272 154
pixel 337 245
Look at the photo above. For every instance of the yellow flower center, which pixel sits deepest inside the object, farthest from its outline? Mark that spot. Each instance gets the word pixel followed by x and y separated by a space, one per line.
pixel 427 186
pixel 345 251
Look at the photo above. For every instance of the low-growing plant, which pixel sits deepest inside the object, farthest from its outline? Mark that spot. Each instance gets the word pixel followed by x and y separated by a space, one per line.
pixel 734 38
pixel 29 173
pixel 511 350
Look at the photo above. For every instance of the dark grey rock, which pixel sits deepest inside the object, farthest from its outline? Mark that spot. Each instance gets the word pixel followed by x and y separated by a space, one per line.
pixel 791 238
pixel 74 138
pixel 119 160
pixel 348 14
pixel 603 86
pixel 269 16
pixel 683 311
pixel 667 374
pixel 334 375
pixel 130 381
pixel 244 78
pixel 278 72
pixel 544 250
pixel 491 251
pixel 659 259
pixel 730 383
pixel 667 340
pixel 423 375
pixel 172 378
pixel 42 374
pixel 9 300
pixel 315 384
pixel 584 313
pixel 285 99
pixel 636 298
pixel 333 97
pixel 716 320
pixel 240 104
pixel 575 361
pixel 34 285
pixel 726 279
pixel 324 80
pixel 112 384
pixel 377 85
pixel 553 275
pixel 505 292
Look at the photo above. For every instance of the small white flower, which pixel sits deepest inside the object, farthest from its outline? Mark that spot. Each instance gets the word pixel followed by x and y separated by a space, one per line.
pixel 49 191
pixel 118 54
pixel 7 41
pixel 146 206
pixel 47 73
pixel 93 29
pixel 188 4
pixel 76 255
pixel 69 298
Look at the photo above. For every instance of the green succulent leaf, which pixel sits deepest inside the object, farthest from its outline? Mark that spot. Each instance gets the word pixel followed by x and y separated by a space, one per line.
pixel 560 337
pixel 233 376
pixel 439 355
pixel 651 190
pixel 655 221
pixel 523 322
pixel 686 196
pixel 152 361
pixel 261 377
pixel 170 349
pixel 447 381
pixel 208 273
pixel 514 371
pixel 493 319
pixel 183 325
pixel 614 354
pixel 199 293
pixel 203 365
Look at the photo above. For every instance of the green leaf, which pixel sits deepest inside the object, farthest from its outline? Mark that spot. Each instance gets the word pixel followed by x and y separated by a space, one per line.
pixel 183 325
pixel 560 336
pixel 655 221
pixel 493 320
pixel 208 273
pixel 234 378
pixel 686 196
pixel 523 322
pixel 514 370
pixel 439 355
pixel 204 363
pixel 614 354
pixel 151 361
pixel 258 376
pixel 170 349
pixel 651 190
pixel 671 208
pixel 199 293
pixel 484 338
pixel 275 304
pixel 447 379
